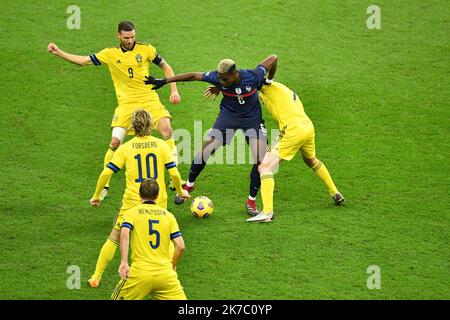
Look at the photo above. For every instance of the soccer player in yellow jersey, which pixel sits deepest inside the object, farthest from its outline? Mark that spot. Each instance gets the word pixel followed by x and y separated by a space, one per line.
pixel 296 133
pixel 149 230
pixel 129 63
pixel 144 157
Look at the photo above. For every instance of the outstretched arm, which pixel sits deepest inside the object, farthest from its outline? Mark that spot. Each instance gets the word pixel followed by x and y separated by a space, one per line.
pixel 79 60
pixel 270 63
pixel 158 83
pixel 191 76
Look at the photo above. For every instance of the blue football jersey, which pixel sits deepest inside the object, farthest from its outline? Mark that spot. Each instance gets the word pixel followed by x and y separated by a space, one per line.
pixel 240 100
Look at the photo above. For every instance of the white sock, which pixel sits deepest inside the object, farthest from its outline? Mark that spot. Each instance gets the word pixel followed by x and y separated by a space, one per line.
pixel 252 198
pixel 189 184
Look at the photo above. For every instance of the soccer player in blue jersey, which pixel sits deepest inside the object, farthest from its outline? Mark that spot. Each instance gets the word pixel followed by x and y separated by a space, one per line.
pixel 239 109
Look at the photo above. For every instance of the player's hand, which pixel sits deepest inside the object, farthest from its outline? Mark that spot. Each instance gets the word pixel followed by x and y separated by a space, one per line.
pixel 95 202
pixel 175 98
pixel 124 270
pixel 211 92
pixel 157 83
pixel 53 48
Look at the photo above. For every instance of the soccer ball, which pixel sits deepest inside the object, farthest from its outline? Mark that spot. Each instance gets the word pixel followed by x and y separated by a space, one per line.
pixel 202 207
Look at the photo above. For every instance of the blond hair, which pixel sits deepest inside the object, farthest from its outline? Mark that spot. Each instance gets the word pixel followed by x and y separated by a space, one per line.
pixel 142 123
pixel 226 65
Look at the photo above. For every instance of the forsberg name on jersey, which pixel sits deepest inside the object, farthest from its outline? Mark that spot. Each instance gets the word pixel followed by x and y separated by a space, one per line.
pixel 144 145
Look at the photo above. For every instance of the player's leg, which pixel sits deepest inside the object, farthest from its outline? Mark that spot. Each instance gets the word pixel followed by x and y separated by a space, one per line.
pixel 117 137
pixel 308 151
pixel 284 147
pixel 110 246
pixel 221 133
pixel 266 170
pixel 106 255
pixel 258 149
pixel 162 123
pixel 162 120
pixel 164 128
pixel 201 158
pixel 256 136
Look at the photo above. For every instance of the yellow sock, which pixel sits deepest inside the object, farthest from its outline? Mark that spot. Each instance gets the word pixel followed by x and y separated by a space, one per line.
pixel 173 148
pixel 324 175
pixel 105 257
pixel 267 187
pixel 108 156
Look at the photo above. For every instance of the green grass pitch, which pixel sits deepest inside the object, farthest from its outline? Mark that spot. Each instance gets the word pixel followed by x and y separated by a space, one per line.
pixel 379 100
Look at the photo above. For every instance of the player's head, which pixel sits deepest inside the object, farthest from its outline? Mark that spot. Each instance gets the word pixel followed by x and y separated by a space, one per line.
pixel 149 190
pixel 142 123
pixel 227 73
pixel 126 34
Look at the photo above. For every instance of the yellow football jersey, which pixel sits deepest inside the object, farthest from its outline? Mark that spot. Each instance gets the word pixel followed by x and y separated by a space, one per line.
pixel 128 70
pixel 143 157
pixel 152 230
pixel 283 105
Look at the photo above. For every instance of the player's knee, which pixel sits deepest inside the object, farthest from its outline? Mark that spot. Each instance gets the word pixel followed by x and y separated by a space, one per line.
pixel 310 162
pixel 166 132
pixel 264 168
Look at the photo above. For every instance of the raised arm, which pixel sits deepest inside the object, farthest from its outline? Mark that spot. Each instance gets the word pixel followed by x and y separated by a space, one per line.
pixel 158 83
pixel 79 60
pixel 168 72
pixel 270 63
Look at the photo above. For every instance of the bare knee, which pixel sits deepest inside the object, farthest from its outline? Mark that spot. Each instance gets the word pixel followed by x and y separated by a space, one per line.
pixel 165 129
pixel 264 168
pixel 166 132
pixel 310 162
pixel 115 143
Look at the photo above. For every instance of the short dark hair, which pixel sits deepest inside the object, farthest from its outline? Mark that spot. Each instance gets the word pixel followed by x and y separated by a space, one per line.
pixel 125 26
pixel 149 189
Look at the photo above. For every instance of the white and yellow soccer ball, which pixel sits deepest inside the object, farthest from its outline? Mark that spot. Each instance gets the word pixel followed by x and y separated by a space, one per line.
pixel 202 207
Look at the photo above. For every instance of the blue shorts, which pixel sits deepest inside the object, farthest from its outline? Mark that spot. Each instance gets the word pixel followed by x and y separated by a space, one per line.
pixel 225 127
